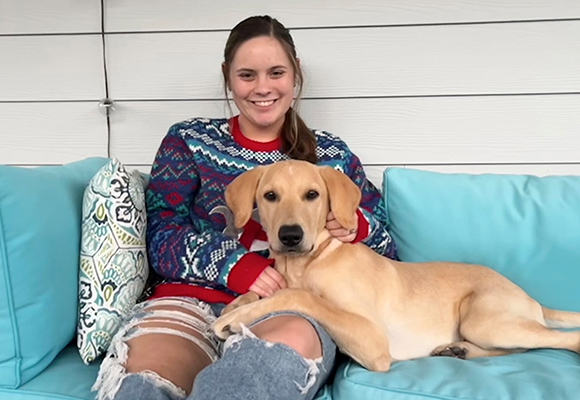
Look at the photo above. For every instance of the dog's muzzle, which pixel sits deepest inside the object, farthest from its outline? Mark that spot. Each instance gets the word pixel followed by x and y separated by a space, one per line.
pixel 291 237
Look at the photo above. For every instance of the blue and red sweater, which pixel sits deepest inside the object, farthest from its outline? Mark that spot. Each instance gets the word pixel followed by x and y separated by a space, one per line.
pixel 197 159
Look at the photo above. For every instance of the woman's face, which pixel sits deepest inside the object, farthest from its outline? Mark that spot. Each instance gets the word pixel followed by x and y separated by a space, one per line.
pixel 261 79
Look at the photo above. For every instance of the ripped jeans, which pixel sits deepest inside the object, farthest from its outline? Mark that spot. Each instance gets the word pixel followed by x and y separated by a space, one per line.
pixel 244 367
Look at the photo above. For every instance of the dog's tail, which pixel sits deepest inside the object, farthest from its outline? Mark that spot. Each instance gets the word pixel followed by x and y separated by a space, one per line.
pixel 561 319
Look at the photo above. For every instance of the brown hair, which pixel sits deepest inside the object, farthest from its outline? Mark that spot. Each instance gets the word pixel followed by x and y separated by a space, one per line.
pixel 298 141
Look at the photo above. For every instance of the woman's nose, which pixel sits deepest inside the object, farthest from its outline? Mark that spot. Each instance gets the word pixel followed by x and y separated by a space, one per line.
pixel 263 85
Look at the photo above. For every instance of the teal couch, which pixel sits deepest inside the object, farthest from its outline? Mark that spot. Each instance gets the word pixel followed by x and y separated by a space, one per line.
pixel 527 228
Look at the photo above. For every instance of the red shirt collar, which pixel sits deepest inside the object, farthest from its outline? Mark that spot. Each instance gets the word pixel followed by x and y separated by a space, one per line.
pixel 250 144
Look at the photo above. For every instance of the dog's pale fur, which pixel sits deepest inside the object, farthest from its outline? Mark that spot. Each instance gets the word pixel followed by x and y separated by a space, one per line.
pixel 376 309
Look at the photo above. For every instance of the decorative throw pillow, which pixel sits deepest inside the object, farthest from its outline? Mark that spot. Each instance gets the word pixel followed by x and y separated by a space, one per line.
pixel 113 258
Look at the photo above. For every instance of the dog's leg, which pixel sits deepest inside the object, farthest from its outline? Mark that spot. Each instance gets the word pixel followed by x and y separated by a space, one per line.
pixel 508 332
pixel 244 299
pixel 520 334
pixel 497 339
pixel 354 334
pixel 503 322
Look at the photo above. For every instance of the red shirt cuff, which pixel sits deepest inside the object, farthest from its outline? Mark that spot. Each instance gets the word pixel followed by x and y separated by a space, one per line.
pixel 246 271
pixel 363 227
pixel 188 290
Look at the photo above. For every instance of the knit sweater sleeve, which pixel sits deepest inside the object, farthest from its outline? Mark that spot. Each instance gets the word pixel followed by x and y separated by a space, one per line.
pixel 177 248
pixel 372 213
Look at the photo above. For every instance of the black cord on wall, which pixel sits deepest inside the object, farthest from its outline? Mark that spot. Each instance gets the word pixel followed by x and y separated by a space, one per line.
pixel 106 102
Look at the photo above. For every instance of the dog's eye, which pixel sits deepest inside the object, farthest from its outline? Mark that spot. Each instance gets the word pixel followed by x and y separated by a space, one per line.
pixel 270 196
pixel 311 195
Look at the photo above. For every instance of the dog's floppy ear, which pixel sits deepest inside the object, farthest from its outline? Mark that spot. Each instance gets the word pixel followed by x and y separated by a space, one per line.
pixel 344 196
pixel 240 195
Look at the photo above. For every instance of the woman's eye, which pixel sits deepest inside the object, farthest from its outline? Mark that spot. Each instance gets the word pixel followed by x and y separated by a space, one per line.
pixel 270 196
pixel 245 76
pixel 311 195
pixel 277 74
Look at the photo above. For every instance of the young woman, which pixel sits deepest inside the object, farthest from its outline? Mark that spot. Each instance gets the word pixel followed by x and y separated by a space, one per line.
pixel 167 350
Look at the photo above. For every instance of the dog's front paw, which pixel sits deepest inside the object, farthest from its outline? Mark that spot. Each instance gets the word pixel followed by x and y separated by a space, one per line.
pixel 225 326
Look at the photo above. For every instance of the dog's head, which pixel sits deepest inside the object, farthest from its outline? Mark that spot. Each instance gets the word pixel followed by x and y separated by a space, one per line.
pixel 293 199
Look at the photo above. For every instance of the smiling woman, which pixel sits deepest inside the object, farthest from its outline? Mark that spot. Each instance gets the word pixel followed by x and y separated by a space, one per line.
pixel 204 264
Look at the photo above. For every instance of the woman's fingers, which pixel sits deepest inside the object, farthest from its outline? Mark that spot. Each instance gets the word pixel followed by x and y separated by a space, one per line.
pixel 259 288
pixel 268 283
pixel 338 231
pixel 279 281
pixel 271 285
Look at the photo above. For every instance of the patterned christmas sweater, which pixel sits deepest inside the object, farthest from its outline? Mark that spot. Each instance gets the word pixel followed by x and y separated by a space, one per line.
pixel 188 243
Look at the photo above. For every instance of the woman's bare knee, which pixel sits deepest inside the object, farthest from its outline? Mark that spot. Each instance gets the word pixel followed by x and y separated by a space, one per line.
pixel 171 342
pixel 293 331
pixel 174 359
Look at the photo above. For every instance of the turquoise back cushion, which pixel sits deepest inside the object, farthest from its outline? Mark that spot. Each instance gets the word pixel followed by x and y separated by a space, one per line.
pixel 525 227
pixel 40 225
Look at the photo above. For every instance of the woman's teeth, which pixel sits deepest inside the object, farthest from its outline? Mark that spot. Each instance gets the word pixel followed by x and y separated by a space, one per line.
pixel 264 103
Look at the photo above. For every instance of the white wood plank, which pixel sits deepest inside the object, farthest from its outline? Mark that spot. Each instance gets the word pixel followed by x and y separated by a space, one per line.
pixel 137 15
pixel 481 59
pixel 166 66
pixel 51 133
pixel 51 68
pixel 466 59
pixel 457 130
pixel 54 16
pixel 401 131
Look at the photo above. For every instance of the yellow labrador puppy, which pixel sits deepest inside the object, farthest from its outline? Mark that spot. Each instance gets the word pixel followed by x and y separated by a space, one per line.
pixel 378 310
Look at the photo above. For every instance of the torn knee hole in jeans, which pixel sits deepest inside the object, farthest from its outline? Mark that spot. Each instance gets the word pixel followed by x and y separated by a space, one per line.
pixel 112 371
pixel 233 343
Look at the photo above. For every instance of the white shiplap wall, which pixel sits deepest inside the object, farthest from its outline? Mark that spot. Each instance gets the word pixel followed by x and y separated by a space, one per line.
pixel 471 86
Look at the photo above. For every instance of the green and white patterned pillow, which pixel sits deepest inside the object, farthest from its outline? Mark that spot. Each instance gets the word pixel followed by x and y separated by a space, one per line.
pixel 113 257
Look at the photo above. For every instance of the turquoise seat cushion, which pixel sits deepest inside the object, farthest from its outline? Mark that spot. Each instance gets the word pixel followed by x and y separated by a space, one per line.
pixel 535 375
pixel 525 227
pixel 66 378
pixel 40 225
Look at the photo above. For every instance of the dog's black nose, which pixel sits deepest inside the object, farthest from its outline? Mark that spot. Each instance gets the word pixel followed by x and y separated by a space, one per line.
pixel 290 235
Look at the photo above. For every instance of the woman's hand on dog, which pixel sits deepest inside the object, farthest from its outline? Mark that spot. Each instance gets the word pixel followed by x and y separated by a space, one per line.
pixel 268 283
pixel 338 231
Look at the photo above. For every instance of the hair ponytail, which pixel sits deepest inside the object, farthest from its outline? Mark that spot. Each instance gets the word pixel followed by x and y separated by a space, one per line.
pixel 298 141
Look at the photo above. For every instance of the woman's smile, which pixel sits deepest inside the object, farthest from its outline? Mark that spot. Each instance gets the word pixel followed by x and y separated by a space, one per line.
pixel 264 103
